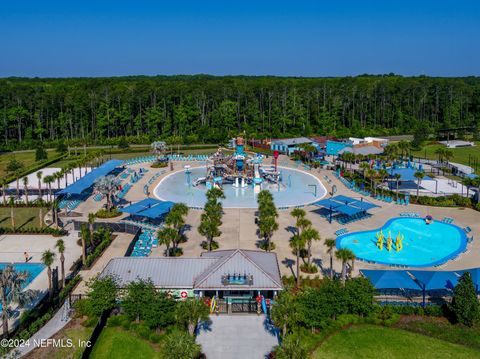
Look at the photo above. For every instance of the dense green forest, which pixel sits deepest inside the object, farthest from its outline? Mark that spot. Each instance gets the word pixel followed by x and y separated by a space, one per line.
pixel 211 109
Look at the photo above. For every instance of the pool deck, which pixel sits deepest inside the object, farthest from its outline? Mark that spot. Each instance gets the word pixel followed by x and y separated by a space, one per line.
pixel 12 248
pixel 239 229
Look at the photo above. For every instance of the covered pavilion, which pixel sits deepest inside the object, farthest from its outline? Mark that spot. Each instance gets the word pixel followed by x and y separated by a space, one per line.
pixel 348 208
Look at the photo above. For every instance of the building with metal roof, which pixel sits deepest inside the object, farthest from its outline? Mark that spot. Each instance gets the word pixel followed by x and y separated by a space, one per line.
pixel 227 273
pixel 289 145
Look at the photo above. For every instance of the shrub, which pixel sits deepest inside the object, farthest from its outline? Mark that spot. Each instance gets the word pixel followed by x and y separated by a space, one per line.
pixel 114 321
pixel 161 164
pixel 90 322
pixel 82 308
pixel 154 338
pixel 143 331
pixel 306 268
pixel 69 286
pixel 125 323
pixel 103 213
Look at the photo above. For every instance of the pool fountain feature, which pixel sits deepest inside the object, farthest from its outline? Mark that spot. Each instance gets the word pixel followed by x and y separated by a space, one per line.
pixel 407 242
pixel 241 177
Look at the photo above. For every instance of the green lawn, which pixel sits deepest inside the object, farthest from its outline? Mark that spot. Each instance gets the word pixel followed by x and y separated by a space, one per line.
pixel 115 343
pixel 26 157
pixel 25 217
pixel 379 342
pixel 460 155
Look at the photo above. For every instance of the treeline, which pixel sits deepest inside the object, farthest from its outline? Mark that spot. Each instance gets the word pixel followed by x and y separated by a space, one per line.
pixel 191 109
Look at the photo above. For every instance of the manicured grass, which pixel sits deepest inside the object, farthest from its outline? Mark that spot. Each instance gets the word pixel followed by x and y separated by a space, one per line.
pixel 25 217
pixel 441 328
pixel 368 341
pixel 26 157
pixel 460 155
pixel 117 343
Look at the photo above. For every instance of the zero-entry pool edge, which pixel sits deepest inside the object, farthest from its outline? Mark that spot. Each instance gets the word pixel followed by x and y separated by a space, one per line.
pixel 461 249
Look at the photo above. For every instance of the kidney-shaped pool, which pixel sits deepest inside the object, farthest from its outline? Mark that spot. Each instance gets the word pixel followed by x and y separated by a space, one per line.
pixel 424 245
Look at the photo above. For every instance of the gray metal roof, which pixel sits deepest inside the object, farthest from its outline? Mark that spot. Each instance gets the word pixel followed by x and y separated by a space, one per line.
pixel 204 272
pixel 364 150
pixel 263 266
pixel 164 272
pixel 292 141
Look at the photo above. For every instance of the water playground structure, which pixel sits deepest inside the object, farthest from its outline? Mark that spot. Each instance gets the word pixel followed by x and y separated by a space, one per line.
pixel 389 241
pixel 239 170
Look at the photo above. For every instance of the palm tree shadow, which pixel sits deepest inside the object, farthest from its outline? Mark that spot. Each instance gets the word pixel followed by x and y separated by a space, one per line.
pixel 204 326
pixel 270 327
pixel 30 219
pixel 291 229
pixel 289 264
pixel 324 268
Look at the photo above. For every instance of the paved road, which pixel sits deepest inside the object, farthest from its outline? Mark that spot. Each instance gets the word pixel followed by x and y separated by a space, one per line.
pixel 237 337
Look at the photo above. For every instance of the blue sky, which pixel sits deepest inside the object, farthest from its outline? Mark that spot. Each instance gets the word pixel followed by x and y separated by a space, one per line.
pixel 293 38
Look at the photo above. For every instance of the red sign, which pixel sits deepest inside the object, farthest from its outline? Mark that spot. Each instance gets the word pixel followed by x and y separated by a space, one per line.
pixel 183 294
pixel 275 154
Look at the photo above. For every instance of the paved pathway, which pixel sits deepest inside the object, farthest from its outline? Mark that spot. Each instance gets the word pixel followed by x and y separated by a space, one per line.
pixel 53 326
pixel 116 249
pixel 237 336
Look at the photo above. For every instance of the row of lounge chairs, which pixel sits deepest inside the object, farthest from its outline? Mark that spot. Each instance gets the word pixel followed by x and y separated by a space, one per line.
pixel 410 214
pixel 146 241
pixel 341 231
pixel 447 220
pixel 174 157
pixel 121 194
pixel 69 204
pixel 354 218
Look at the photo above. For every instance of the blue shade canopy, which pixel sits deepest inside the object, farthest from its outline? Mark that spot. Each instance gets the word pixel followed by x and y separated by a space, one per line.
pixel 390 279
pixel 406 174
pixel 430 280
pixel 348 210
pixel 87 181
pixel 345 205
pixel 149 207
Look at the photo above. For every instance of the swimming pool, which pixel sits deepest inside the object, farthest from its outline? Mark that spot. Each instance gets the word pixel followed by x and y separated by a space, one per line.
pixel 296 188
pixel 424 245
pixel 33 270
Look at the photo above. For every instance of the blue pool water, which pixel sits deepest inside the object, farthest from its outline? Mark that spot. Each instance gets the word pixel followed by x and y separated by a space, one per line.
pixel 297 188
pixel 423 245
pixel 33 270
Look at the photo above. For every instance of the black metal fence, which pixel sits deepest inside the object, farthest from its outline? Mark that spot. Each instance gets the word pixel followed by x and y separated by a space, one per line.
pixel 115 227
pixel 102 321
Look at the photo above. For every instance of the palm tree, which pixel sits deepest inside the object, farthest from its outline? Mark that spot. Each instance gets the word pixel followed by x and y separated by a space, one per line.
pixel 364 166
pixel 158 147
pixel 12 212
pixel 40 216
pixel 58 176
pixel 60 245
pixel 91 222
pixel 84 235
pixel 166 236
pixel 106 185
pixel 215 193
pixel 419 175
pixel 211 220
pixel 397 180
pixel 330 243
pixel 48 180
pixel 4 190
pixel 11 285
pixel 47 259
pixel 25 186
pixel 382 174
pixel 175 219
pixel 309 235
pixel 15 167
pixel 39 177
pixel 297 243
pixel 345 255
pixel 267 226
pixel 189 312
pixel 298 213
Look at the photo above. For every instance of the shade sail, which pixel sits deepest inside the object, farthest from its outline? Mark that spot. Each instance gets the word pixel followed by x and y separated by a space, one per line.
pixel 149 207
pixel 87 181
pixel 406 174
pixel 346 205
pixel 390 279
pixel 431 280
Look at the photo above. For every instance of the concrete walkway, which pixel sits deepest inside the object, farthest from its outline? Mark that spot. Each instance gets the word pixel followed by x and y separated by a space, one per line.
pixel 116 249
pixel 53 326
pixel 237 337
